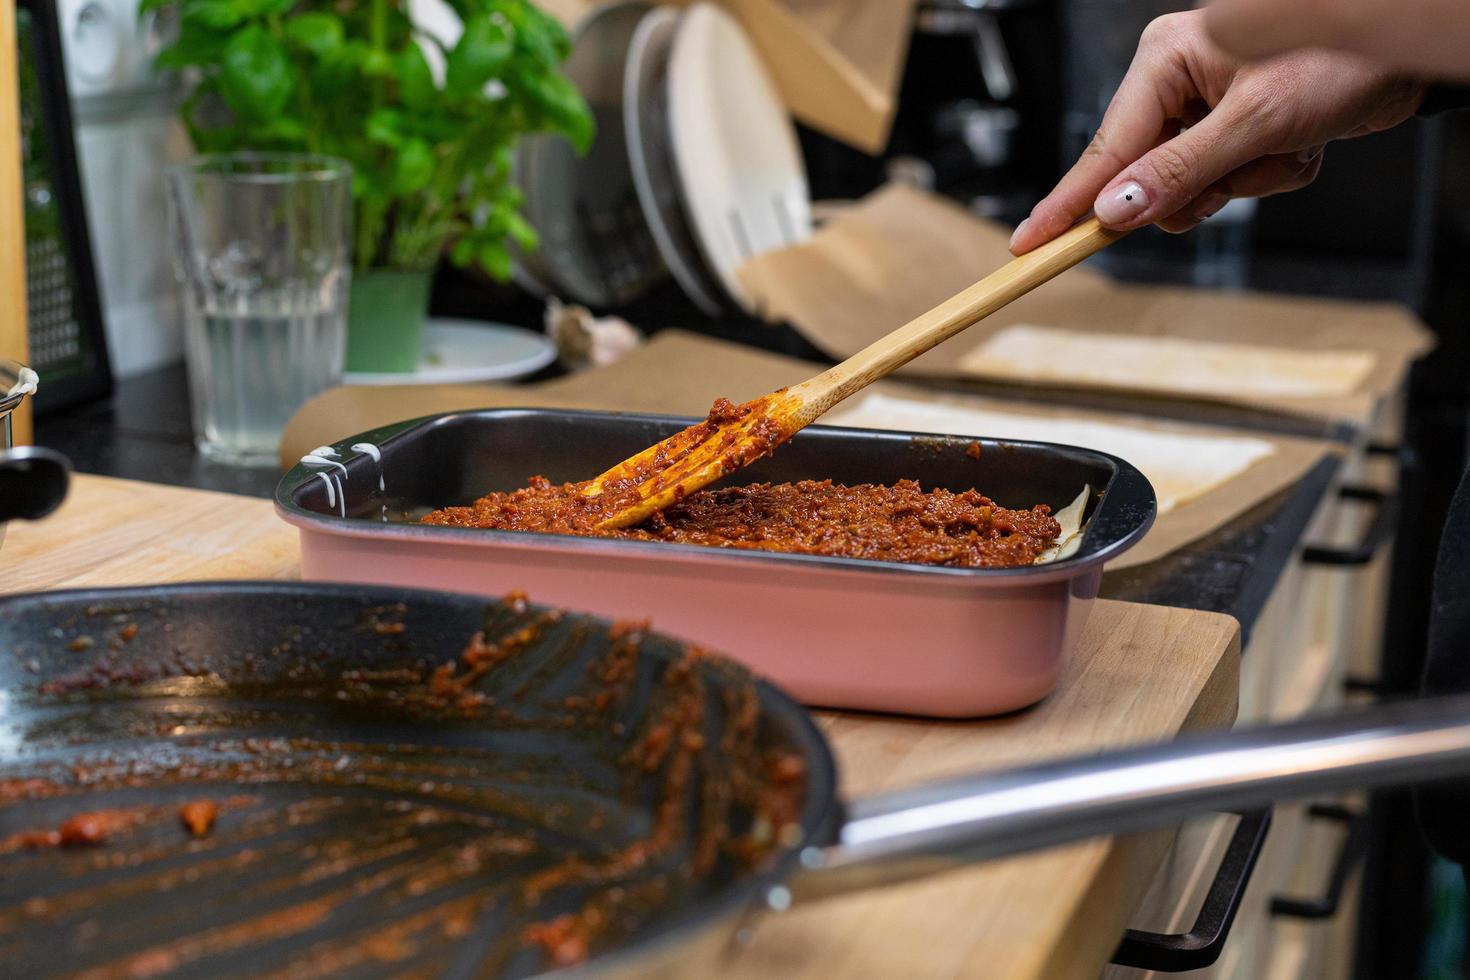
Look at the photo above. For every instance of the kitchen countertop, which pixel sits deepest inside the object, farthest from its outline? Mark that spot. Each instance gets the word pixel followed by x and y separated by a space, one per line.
pixel 1137 674
pixel 143 433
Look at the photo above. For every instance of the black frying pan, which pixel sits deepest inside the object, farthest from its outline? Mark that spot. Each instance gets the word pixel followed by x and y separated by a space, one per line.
pixel 372 818
pixel 594 790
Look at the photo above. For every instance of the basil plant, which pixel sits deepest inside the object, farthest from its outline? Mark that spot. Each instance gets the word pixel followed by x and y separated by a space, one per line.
pixel 430 151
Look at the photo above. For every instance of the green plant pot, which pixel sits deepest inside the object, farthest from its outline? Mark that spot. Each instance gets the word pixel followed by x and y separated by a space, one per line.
pixel 385 320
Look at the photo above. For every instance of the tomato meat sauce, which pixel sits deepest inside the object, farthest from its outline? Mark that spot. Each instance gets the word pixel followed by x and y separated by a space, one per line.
pixel 898 523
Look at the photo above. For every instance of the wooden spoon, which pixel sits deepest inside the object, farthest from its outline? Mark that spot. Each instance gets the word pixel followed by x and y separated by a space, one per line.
pixel 735 435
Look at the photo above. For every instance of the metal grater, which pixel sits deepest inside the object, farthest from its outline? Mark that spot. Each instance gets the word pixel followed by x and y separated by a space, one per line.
pixel 55 335
pixel 64 325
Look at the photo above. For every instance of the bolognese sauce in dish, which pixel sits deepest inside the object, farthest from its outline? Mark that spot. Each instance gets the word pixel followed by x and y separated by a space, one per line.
pixel 898 523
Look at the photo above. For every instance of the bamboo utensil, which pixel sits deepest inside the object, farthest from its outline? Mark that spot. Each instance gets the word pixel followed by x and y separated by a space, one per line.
pixel 734 436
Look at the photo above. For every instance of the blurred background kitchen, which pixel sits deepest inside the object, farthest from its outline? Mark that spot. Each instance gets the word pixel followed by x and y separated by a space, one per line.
pixel 734 133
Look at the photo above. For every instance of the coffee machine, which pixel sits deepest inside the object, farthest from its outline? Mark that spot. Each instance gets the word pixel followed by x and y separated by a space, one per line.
pixel 977 110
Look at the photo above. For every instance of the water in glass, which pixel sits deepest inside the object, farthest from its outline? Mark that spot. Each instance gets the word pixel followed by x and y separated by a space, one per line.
pixel 262 258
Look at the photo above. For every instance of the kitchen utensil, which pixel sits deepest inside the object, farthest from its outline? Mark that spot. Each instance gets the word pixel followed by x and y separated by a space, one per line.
pixel 646 122
pixel 735 148
pixel 595 242
pixel 690 460
pixel 261 257
pixel 974 640
pixel 362 821
pixel 468 351
pixel 16 382
pixel 32 483
pixel 62 317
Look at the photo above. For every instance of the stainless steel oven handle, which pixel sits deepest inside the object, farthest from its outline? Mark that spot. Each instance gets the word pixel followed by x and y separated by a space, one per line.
pixel 910 833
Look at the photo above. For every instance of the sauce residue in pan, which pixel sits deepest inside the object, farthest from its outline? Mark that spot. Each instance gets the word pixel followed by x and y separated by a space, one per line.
pixel 79 830
pixel 593 777
pixel 198 816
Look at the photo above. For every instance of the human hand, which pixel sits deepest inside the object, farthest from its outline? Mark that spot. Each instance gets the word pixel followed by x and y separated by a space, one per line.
pixel 1425 37
pixel 1191 127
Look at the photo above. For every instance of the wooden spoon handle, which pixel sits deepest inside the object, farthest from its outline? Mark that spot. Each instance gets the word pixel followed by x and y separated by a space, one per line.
pixel 1011 281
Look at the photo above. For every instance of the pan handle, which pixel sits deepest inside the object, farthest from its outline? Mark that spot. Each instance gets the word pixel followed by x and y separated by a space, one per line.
pixel 916 832
pixel 33 483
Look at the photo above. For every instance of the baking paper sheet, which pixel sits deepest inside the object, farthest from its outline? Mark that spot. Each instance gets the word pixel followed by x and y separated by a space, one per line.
pixel 1182 466
pixel 899 252
pixel 1167 365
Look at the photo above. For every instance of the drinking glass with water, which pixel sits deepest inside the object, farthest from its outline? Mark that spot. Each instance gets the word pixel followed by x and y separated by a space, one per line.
pixel 262 256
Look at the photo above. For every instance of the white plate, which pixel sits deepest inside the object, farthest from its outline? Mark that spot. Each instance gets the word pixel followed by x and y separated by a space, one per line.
pixel 466 351
pixel 735 146
pixel 596 246
pixel 646 122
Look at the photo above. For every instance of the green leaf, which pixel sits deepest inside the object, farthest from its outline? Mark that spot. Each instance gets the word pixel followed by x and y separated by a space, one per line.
pixel 265 7
pixel 377 64
pixel 521 232
pixel 194 46
pixel 415 79
pixel 362 182
pixel 482 53
pixel 281 131
pixel 413 168
pixel 355 51
pixel 495 259
pixel 255 76
pixel 147 6
pixel 318 33
pixel 330 76
pixel 552 28
pixel 220 139
pixel 538 35
pixel 463 252
pixel 214 15
pixel 564 106
pixel 385 127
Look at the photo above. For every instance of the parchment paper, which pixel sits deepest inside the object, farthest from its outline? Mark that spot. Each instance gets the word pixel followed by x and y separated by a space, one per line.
pixel 679 373
pixel 900 252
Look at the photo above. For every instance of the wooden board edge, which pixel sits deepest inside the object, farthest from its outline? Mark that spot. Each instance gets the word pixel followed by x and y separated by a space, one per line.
pixel 1100 918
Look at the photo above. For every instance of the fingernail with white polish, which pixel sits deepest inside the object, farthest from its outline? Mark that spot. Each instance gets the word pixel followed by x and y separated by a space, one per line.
pixel 1209 206
pixel 1121 205
pixel 1019 229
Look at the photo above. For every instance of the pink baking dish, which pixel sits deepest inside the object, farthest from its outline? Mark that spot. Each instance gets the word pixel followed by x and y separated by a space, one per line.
pixel 834 632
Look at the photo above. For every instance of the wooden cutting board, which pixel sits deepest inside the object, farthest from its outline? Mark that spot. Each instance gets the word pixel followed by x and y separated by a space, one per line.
pixel 1140 674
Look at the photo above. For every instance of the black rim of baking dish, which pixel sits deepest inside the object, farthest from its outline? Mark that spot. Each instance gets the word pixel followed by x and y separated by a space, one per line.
pixel 1118 514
